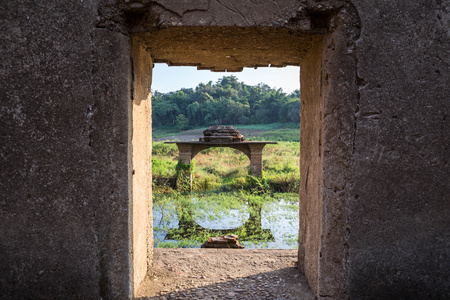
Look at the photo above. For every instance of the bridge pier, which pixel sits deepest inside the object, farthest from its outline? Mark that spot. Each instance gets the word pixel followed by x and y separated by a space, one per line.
pixel 256 158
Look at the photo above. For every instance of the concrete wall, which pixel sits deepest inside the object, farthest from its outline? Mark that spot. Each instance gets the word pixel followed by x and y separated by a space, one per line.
pixel 311 164
pixel 375 135
pixel 141 142
pixel 65 90
pixel 399 207
pixel 374 210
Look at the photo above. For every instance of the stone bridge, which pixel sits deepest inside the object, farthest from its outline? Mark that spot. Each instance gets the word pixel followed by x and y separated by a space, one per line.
pixel 253 150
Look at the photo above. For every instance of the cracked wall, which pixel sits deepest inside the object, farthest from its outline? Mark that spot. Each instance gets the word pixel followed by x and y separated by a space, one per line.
pixel 374 136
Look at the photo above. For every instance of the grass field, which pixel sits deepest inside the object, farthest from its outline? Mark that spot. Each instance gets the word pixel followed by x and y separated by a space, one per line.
pixel 268 132
pixel 271 126
pixel 225 169
pixel 223 188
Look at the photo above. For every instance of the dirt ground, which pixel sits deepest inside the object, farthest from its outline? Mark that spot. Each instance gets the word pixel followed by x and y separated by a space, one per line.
pixel 225 274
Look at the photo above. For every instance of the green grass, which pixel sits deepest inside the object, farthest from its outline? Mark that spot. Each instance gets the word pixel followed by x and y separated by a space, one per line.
pixel 159 133
pixel 221 183
pixel 292 135
pixel 161 149
pixel 226 169
pixel 268 126
pixel 269 132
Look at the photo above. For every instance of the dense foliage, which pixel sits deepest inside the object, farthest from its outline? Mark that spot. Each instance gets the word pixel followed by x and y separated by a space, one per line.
pixel 228 102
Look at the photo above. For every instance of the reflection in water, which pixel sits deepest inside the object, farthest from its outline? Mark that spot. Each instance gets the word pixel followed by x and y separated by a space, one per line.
pixel 251 230
pixel 259 224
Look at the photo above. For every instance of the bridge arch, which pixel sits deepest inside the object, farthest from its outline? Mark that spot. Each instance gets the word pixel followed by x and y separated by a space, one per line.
pixel 252 149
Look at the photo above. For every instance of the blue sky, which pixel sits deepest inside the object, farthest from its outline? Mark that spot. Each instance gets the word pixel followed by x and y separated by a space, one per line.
pixel 168 79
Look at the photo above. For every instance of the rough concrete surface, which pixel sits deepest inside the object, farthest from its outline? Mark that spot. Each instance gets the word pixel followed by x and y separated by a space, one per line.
pixel 399 210
pixel 65 87
pixel 374 213
pixel 139 161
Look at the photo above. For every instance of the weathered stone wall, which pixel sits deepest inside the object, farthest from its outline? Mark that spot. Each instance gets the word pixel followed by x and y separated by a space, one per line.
pixel 375 136
pixel 141 143
pixel 334 151
pixel 399 208
pixel 65 90
pixel 310 208
pixel 376 225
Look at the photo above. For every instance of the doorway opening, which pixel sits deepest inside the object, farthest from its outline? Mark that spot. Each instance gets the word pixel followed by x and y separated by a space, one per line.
pixel 226 199
pixel 325 61
pixel 207 49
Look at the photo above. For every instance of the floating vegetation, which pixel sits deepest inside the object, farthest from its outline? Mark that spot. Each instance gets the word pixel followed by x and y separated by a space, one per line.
pixel 260 220
pixel 262 211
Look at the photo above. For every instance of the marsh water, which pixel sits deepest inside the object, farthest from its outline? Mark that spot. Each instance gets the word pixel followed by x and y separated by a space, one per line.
pixel 186 221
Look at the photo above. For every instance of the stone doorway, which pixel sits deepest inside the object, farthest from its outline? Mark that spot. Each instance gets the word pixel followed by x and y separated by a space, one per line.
pixel 328 95
pixel 75 115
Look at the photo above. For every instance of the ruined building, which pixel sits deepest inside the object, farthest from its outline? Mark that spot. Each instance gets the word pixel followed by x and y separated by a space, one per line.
pixel 75 126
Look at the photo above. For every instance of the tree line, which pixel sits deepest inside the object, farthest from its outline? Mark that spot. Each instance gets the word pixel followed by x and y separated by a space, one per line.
pixel 227 102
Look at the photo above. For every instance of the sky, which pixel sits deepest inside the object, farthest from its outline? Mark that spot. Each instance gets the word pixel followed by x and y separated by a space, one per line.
pixel 169 79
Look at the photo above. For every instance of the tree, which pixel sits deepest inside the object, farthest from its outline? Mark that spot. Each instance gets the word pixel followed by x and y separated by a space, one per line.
pixel 228 101
pixel 290 111
pixel 295 94
pixel 164 113
pixel 181 122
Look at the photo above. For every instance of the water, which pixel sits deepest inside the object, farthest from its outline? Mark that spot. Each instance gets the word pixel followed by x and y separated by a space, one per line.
pixel 272 224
